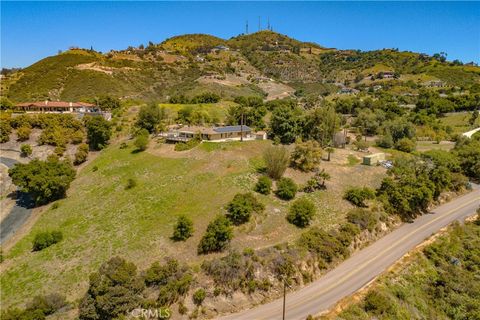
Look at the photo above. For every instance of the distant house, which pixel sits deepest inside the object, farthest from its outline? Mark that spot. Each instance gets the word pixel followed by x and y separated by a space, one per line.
pixel 435 84
pixel 346 90
pixel 220 48
pixel 386 74
pixel 55 107
pixel 185 134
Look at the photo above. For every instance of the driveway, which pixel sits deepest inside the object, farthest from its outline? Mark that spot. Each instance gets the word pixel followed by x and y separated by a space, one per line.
pixel 19 213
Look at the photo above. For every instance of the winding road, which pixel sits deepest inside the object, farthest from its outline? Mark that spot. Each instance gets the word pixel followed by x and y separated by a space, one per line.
pixel 20 212
pixel 364 265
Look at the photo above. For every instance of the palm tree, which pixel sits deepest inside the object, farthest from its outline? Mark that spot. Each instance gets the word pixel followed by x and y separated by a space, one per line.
pixel 323 175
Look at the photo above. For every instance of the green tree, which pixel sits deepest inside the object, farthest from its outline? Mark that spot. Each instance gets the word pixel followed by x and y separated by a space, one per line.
pixel 44 180
pixel 5 130
pixel 23 133
pixel 141 141
pixel 276 160
pixel 285 123
pixel 301 212
pixel 321 124
pixel 317 182
pixel 306 155
pixel 217 237
pixel 183 229
pixel 149 117
pixel 405 145
pixel 108 103
pixel 5 103
pixel 113 291
pixel 286 189
pixel 98 132
pixel 242 206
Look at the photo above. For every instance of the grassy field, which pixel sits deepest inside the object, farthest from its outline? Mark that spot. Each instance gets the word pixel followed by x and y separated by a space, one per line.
pixel 100 218
pixel 215 110
pixel 458 121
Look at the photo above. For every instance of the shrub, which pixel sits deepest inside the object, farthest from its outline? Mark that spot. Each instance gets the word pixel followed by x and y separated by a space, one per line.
pixel 23 133
pixel 317 182
pixel 405 145
pixel 158 274
pixel 44 180
pixel 365 219
pixel 301 212
pixel 199 296
pixel 149 117
pixel 131 183
pixel 241 208
pixel 377 303
pixel 286 189
pixel 183 229
pixel 264 185
pixel 141 141
pixel 26 150
pixel 183 146
pixel 5 130
pixel 323 244
pixel 81 154
pixel 48 304
pixel 77 137
pixel 358 196
pixel 45 239
pixel 217 237
pixel 276 160
pixel 113 291
pixel 385 141
pixel 306 156
pixel 174 289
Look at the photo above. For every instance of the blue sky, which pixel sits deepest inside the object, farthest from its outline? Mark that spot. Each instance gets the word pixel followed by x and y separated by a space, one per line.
pixel 33 30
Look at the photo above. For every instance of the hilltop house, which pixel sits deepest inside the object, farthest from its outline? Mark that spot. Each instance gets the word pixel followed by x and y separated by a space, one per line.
pixel 78 108
pixel 185 134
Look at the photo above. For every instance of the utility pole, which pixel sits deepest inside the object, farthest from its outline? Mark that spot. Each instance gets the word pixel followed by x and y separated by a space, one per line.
pixel 246 28
pixel 284 296
pixel 259 25
pixel 268 23
pixel 241 127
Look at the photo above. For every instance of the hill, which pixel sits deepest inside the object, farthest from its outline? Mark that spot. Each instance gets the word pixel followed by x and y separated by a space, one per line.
pixel 178 65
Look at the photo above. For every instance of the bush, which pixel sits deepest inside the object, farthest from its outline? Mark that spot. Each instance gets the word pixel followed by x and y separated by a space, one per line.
pixel 365 219
pixel 317 182
pixel 377 303
pixel 217 237
pixel 241 208
pixel 5 130
pixel 183 229
pixel 160 275
pixel 385 141
pixel 113 291
pixel 286 189
pixel 44 180
pixel 199 296
pixel 131 183
pixel 276 161
pixel 77 137
pixel 357 196
pixel 149 117
pixel 45 239
pixel 48 304
pixel 301 212
pixel 141 141
pixel 23 133
pixel 81 154
pixel 307 155
pixel 405 145
pixel 26 150
pixel 264 185
pixel 324 244
pixel 183 146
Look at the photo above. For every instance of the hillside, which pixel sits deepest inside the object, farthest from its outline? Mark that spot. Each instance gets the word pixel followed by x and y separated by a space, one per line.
pixel 178 65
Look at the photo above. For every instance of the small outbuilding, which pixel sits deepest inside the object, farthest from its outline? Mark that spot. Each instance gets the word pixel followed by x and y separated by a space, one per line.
pixel 260 135
pixel 373 159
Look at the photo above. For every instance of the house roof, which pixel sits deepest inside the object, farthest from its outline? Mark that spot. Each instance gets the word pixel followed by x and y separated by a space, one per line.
pixel 228 129
pixel 55 104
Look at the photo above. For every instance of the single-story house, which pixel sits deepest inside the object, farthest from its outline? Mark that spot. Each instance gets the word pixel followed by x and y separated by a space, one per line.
pixel 185 134
pixel 55 107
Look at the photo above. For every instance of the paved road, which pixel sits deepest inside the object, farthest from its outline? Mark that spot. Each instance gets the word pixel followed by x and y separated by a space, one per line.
pixel 363 266
pixel 19 213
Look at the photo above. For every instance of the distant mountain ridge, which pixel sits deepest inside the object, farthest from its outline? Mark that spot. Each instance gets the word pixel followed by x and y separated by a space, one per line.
pixel 194 63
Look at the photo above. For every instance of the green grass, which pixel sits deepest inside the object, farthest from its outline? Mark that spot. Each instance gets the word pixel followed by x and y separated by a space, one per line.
pixel 459 122
pixel 100 218
pixel 215 110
